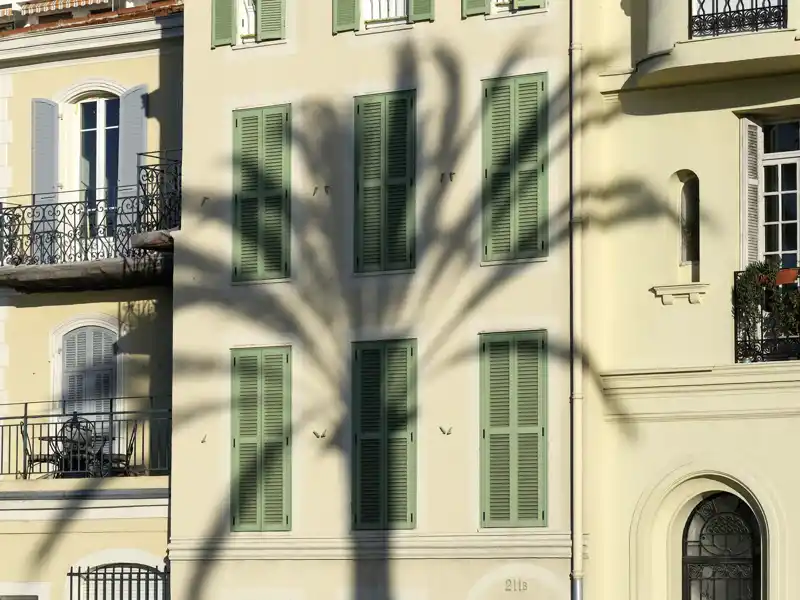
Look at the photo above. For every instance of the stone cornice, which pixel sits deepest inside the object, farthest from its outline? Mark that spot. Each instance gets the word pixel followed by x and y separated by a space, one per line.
pixel 97 39
pixel 401 545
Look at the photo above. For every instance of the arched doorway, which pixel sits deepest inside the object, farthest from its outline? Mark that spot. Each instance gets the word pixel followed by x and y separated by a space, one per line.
pixel 722 551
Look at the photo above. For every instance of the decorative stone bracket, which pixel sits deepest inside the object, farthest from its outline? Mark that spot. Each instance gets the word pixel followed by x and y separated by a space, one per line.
pixel 692 291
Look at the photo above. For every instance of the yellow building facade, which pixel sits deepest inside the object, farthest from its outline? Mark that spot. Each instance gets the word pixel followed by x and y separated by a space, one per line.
pixel 90 159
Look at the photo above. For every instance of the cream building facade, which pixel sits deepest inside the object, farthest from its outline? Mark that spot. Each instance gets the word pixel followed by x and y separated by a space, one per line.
pixel 370 379
pixel 690 328
pixel 89 104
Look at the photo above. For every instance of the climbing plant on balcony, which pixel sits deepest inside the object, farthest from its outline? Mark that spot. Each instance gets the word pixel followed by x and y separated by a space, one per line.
pixel 766 313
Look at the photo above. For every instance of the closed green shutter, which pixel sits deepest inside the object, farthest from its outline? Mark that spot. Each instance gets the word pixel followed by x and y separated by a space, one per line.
pixel 345 15
pixel 385 168
pixel 474 7
pixel 420 10
pixel 262 174
pixel 527 3
pixel 261 487
pixel 384 376
pixel 222 22
pixel 513 449
pixel 515 178
pixel 270 19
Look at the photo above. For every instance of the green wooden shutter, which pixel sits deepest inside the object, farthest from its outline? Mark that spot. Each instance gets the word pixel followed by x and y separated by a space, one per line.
pixel 399 228
pixel 276 438
pixel 498 156
pixel 223 19
pixel 385 169
pixel 261 417
pixel 262 173
pixel 384 376
pixel 247 495
pixel 345 15
pixel 270 19
pixel 400 386
pixel 276 208
pixel 474 7
pixel 530 175
pixel 516 4
pixel 513 451
pixel 370 135
pixel 420 10
pixel 515 172
pixel 369 438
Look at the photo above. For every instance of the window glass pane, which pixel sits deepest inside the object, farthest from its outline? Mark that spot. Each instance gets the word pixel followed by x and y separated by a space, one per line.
pixel 789 177
pixel 88 115
pixel 112 164
pixel 112 112
pixel 789 207
pixel 789 237
pixel 771 238
pixel 88 159
pixel 771 208
pixel 781 137
pixel 771 178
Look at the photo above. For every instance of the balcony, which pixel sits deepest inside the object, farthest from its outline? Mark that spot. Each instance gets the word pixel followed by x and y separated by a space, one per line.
pixel 94 239
pixel 705 40
pixel 41 441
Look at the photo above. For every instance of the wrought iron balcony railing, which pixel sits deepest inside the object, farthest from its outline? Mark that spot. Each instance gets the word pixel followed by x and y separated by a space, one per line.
pixel 92 224
pixel 38 440
pixel 766 314
pixel 708 18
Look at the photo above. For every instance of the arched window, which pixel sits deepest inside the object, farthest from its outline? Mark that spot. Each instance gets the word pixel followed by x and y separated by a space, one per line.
pixel 690 223
pixel 89 370
pixel 722 551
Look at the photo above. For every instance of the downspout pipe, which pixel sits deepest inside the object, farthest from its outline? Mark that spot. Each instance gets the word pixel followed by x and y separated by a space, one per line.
pixel 576 348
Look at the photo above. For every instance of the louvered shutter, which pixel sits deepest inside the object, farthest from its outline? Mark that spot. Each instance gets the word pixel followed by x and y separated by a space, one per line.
pixel 262 193
pixel 751 214
pixel 517 4
pixel 270 19
pixel 385 168
pixel 247 463
pixel 399 234
pixel 75 364
pixel 370 137
pixel 498 158
pixel 474 7
pixel 420 10
pixel 223 22
pixel 513 477
pixel 345 15
pixel 261 486
pixel 530 218
pixel 276 438
pixel 384 435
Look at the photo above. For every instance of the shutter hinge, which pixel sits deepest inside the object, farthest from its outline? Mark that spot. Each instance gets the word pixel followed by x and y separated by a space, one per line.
pixel 236 124
pixel 287 519
pixel 412 517
pixel 486 173
pixel 483 345
pixel 542 431
pixel 412 102
pixel 412 181
pixel 234 442
pixel 484 517
pixel 542 244
pixel 287 120
pixel 483 433
pixel 542 515
pixel 287 440
pixel 485 93
pixel 358 109
pixel 234 361
pixel 411 435
pixel 234 520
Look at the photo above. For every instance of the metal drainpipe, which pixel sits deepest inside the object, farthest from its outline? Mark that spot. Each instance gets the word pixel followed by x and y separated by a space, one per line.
pixel 575 305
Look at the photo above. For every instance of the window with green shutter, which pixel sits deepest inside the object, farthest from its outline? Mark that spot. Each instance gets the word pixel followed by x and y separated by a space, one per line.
pixel 385 227
pixel 261 440
pixel 349 15
pixel 470 8
pixel 514 168
pixel 235 22
pixel 262 205
pixel 384 435
pixel 513 447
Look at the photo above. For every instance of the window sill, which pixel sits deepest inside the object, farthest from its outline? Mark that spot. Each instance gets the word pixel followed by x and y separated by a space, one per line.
pixel 504 14
pixel 382 273
pixel 384 28
pixel 262 281
pixel 250 44
pixel 693 292
pixel 513 261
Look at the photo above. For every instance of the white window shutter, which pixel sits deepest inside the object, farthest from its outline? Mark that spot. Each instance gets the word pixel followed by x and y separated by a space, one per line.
pixel 752 218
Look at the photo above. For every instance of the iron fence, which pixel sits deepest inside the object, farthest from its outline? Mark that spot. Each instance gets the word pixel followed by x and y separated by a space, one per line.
pixel 122 437
pixel 92 224
pixel 708 18
pixel 119 581
pixel 766 318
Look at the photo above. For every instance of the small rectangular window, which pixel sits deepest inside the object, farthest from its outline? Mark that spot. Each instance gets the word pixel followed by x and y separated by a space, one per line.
pixel 690 224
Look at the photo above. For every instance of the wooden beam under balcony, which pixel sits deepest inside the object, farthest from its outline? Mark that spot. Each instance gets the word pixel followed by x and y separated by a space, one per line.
pixel 103 274
pixel 160 241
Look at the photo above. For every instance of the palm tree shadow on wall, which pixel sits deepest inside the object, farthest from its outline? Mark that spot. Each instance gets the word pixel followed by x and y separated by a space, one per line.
pixel 326 304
